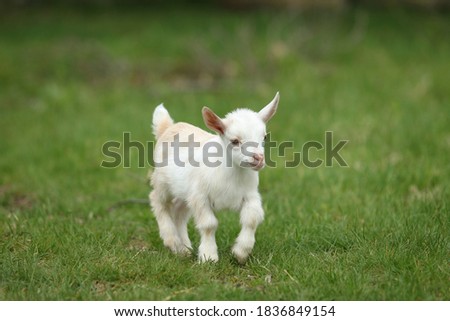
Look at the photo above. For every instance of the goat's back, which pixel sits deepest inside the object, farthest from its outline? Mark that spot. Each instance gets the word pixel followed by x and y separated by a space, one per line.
pixel 184 130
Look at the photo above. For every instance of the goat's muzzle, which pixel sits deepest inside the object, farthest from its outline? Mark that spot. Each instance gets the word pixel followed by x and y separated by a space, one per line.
pixel 258 162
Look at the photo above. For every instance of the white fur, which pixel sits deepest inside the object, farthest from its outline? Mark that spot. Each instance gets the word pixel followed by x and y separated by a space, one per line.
pixel 198 191
pixel 161 120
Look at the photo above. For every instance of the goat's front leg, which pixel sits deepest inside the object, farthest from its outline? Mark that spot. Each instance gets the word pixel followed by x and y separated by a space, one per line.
pixel 206 224
pixel 252 214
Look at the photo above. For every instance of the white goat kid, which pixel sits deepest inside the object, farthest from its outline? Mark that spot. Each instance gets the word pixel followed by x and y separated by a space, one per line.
pixel 212 172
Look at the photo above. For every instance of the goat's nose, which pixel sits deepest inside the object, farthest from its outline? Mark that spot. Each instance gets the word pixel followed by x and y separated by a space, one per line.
pixel 258 157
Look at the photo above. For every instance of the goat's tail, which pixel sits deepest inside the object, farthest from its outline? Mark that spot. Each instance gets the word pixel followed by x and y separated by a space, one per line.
pixel 161 121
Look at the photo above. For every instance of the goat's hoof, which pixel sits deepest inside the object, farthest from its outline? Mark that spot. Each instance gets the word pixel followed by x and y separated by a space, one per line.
pixel 208 258
pixel 177 247
pixel 184 251
pixel 240 254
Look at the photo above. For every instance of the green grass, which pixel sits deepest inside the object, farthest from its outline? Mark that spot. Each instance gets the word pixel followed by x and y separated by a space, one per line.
pixel 377 230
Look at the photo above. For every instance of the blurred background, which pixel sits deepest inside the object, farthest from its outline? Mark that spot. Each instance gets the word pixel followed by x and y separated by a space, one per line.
pixel 249 4
pixel 75 74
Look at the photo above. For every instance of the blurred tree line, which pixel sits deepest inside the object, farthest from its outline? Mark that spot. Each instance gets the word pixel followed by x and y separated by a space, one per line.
pixel 238 4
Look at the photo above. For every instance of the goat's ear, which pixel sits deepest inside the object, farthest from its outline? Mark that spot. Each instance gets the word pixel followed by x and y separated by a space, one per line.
pixel 267 112
pixel 213 121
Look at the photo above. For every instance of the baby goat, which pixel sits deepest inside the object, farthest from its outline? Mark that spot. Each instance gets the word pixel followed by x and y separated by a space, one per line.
pixel 204 173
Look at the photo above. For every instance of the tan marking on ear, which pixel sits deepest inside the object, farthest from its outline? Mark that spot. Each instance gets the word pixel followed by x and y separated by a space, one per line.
pixel 213 121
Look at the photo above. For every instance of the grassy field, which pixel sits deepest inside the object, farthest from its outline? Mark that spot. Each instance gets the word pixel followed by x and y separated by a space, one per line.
pixel 376 230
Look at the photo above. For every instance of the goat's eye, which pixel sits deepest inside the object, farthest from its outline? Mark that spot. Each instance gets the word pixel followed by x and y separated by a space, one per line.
pixel 235 142
pixel 265 137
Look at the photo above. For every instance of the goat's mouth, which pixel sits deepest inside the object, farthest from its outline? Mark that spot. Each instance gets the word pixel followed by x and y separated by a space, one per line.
pixel 256 166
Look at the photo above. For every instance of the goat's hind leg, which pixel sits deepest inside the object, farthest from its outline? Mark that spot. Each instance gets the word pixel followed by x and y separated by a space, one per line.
pixel 181 214
pixel 161 206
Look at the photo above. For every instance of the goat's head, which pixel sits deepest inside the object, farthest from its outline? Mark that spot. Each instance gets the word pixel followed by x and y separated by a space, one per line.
pixel 243 132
